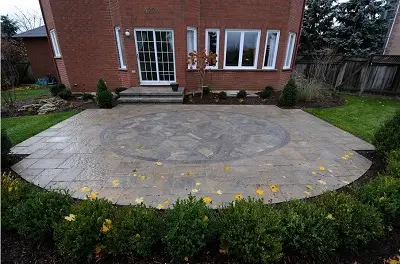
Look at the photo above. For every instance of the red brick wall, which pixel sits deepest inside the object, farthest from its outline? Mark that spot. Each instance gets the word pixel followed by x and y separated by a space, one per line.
pixel 40 56
pixel 88 47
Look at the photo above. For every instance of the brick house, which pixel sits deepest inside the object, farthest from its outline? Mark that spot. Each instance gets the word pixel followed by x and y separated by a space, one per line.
pixel 142 43
pixel 39 52
pixel 392 43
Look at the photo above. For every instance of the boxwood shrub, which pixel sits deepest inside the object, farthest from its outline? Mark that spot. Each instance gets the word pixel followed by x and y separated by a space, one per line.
pixel 393 163
pixel 387 137
pixel 266 93
pixel 384 194
pixel 55 89
pixel 82 229
pixel 251 231
pixel 289 94
pixel 357 223
pixel 187 228
pixel 135 231
pixel 103 95
pixel 309 231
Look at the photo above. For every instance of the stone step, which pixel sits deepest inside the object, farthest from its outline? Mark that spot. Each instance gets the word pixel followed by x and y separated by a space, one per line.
pixel 151 99
pixel 151 91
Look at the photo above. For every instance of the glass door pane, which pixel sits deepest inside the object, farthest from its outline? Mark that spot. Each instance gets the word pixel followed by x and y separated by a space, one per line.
pixel 146 55
pixel 165 55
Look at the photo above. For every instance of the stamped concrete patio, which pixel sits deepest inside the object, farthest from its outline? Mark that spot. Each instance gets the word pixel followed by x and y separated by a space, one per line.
pixel 157 153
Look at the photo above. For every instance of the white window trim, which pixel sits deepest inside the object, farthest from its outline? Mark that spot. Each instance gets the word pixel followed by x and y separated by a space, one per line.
pixel 122 64
pixel 217 51
pixel 194 44
pixel 273 67
pixel 54 42
pixel 289 51
pixel 239 67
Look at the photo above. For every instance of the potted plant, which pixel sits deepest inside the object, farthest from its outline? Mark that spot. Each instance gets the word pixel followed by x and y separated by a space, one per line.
pixel 174 86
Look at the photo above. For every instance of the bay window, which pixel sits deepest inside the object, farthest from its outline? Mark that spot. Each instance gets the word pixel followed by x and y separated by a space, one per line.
pixel 241 49
pixel 271 49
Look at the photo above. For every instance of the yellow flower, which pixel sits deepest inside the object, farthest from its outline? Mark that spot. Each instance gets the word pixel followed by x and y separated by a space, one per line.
pixel 106 226
pixel 85 189
pixel 207 200
pixel 260 192
pixel 70 217
pixel 227 168
pixel 205 218
pixel 238 196
pixel 93 195
pixel 107 221
pixel 10 189
pixel 186 259
pixel 158 163
pixel 274 188
pixel 160 206
pixel 219 192
pixel 137 236
pixel 115 182
pixel 195 190
pixel 330 217
pixel 307 192
pixel 321 168
pixel 309 187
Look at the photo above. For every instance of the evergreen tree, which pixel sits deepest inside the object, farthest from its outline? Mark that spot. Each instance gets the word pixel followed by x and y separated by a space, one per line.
pixel 8 27
pixel 318 22
pixel 362 26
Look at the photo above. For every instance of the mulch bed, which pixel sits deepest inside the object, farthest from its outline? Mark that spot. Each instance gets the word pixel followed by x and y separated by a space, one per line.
pixel 212 99
pixel 16 249
pixel 74 103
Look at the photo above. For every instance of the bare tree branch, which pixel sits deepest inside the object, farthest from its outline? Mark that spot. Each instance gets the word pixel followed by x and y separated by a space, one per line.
pixel 28 19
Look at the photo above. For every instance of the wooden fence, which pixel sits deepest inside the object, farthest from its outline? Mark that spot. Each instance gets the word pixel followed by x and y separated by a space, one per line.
pixel 375 74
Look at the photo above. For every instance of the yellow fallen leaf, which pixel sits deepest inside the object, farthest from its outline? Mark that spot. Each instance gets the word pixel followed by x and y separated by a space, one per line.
pixel 207 200
pixel 307 192
pixel 350 153
pixel 139 200
pixel 227 168
pixel 238 196
pixel 134 174
pixel 140 146
pixel 347 156
pixel 85 189
pixel 189 174
pixel 322 182
pixel 143 177
pixel 158 163
pixel 260 192
pixel 198 183
pixel 219 192
pixel 344 158
pixel 309 187
pixel 346 182
pixel 195 190
pixel 313 173
pixel 166 201
pixel 162 177
pixel 269 164
pixel 273 187
pixel 330 171
pixel 321 168
pixel 160 206
pixel 115 182
pixel 122 147
pixel 10 189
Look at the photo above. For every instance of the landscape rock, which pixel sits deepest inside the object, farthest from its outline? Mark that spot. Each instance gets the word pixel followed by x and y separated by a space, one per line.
pixel 53 100
pixel 47 108
pixel 29 106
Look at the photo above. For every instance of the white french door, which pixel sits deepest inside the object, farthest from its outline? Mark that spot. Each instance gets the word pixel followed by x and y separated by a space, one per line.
pixel 156 56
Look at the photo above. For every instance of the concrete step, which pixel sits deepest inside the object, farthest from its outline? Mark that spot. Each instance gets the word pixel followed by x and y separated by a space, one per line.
pixel 151 99
pixel 151 91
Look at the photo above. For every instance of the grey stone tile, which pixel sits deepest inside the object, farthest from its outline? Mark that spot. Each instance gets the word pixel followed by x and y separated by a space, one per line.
pixel 39 154
pixel 29 174
pixel 45 177
pixel 23 164
pixel 47 163
pixel 69 174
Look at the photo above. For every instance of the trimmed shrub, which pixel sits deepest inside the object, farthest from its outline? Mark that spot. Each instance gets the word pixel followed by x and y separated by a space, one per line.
pixel 55 89
pixel 120 89
pixel 36 215
pixel 384 194
pixel 266 93
pixel 82 229
pixel 187 227
pixel 308 230
pixel 222 95
pixel 206 90
pixel 387 137
pixel 135 231
pixel 104 97
pixel 5 145
pixel 87 96
pixel 393 163
pixel 289 94
pixel 241 94
pixel 13 192
pixel 65 94
pixel 357 223
pixel 251 231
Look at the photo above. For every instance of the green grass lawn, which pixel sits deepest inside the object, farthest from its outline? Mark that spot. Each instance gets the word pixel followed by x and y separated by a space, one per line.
pixel 360 116
pixel 21 128
pixel 30 94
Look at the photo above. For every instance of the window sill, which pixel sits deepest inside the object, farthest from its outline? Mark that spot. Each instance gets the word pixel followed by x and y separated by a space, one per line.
pixel 270 69
pixel 287 69
pixel 123 69
pixel 237 70
pixel 57 57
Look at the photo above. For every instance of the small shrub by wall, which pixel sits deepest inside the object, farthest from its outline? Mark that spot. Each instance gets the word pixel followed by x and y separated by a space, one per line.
pixel 104 97
pixel 387 137
pixel 55 89
pixel 393 163
pixel 289 94
pixel 266 92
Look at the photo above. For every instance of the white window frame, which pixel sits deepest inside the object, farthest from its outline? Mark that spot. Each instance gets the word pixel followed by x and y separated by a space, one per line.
pixel 207 50
pixel 122 64
pixel 289 51
pixel 242 31
pixel 273 67
pixel 194 43
pixel 54 42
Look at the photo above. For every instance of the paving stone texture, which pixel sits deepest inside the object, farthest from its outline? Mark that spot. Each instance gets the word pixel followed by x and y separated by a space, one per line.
pixel 157 153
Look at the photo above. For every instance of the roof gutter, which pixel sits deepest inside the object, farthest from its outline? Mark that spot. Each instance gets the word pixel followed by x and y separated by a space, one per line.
pixel 391 28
